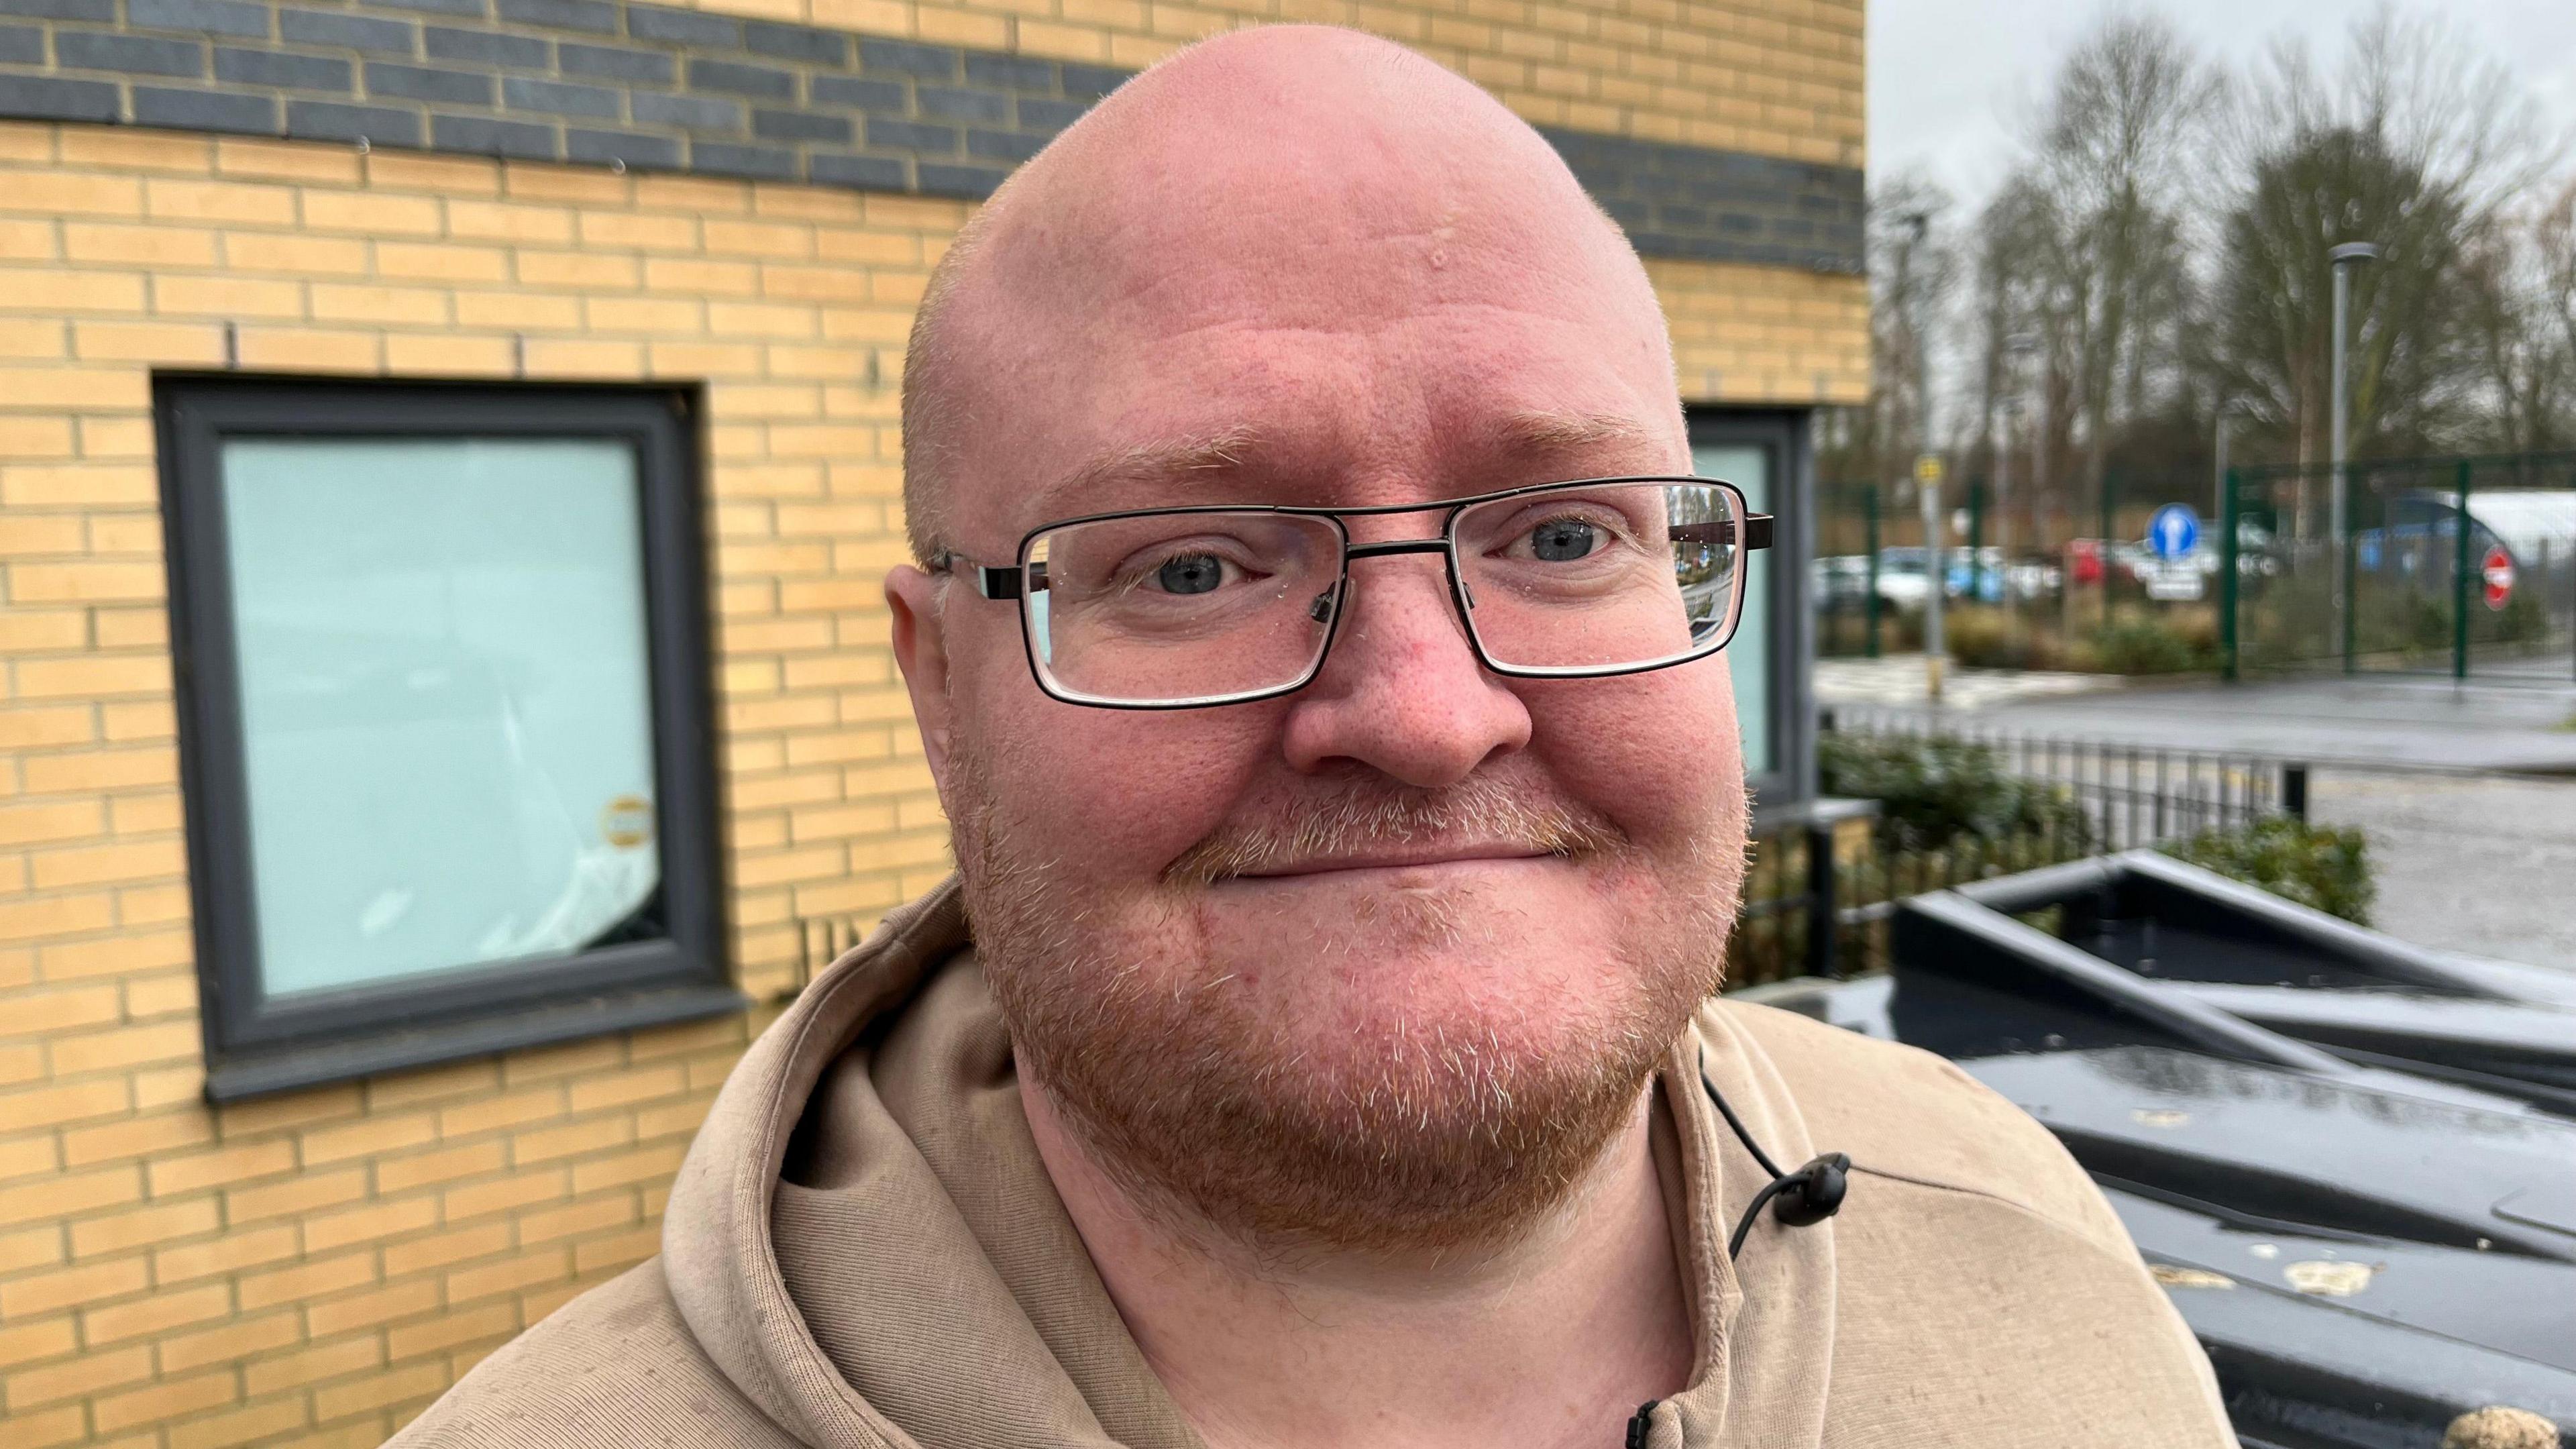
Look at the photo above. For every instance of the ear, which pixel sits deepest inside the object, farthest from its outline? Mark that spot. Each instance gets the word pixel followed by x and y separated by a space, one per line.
pixel 921 652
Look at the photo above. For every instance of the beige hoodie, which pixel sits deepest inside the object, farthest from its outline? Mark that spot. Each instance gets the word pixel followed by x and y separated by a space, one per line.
pixel 863 1250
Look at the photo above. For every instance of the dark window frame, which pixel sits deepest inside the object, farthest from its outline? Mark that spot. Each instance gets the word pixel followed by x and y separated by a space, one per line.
pixel 1783 435
pixel 255 1045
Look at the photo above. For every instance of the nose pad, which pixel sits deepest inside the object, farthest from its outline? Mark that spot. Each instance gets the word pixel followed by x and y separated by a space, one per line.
pixel 1321 610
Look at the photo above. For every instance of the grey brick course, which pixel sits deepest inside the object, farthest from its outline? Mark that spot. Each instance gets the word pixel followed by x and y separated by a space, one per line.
pixel 353 32
pixel 45 98
pixel 557 98
pixel 492 47
pixel 428 83
pixel 133 54
pixel 630 148
pixel 332 121
pixel 615 62
pixel 735 79
pixel 485 136
pixel 102 11
pixel 234 111
pixel 797 42
pixel 683 90
pixel 282 69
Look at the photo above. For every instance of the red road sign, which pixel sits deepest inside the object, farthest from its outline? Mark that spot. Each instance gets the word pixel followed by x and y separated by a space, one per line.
pixel 2499 576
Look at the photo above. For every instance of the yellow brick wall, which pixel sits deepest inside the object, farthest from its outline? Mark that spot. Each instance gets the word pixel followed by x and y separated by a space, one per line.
pixel 315 1268
pixel 1774 77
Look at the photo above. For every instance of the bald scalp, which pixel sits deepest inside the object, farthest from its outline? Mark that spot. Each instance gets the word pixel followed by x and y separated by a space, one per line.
pixel 1197 186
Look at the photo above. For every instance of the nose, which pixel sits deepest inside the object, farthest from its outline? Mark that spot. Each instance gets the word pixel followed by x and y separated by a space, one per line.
pixel 1401 691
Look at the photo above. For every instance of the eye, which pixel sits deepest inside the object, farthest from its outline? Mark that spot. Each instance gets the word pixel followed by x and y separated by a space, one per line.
pixel 1190 573
pixel 1559 540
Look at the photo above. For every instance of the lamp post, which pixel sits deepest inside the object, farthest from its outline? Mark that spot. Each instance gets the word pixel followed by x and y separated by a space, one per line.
pixel 2016 347
pixel 2344 258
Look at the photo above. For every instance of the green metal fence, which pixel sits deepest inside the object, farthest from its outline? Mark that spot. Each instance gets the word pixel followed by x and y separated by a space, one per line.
pixel 2463 567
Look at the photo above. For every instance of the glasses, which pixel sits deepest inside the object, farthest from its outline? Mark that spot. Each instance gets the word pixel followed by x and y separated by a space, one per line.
pixel 1182 608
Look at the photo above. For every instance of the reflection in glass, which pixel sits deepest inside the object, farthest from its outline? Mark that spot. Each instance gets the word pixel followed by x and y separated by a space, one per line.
pixel 1749 653
pixel 445 698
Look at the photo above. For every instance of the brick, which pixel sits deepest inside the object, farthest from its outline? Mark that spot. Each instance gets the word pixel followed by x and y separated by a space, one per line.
pixel 241 297
pixel 490 47
pixel 313 349
pixel 131 54
pixel 693 113
pixel 505 1194
pixel 368 1136
pixel 236 1338
pixel 734 78
pixel 376 1391
pixel 367 1310
pixel 631 148
pixel 519 140
pixel 144 1227
pixel 279 68
pixel 615 62
pixel 136 1137
pixel 443 1249
pixel 898 57
pixel 596 16
pixel 307 1280
pixel 865 172
pixel 85 1375
pixel 165 343
pixel 951 103
pixel 374 1222
pixel 93 865
pixel 683 27
pixel 168 1399
pixel 428 83
pixel 103 11
pixel 857 92
pixel 84 582
pixel 332 121
pixel 23 1298
pixel 47 98
pixel 448 1330
pixel 221 1167
pixel 431 1168
pixel 156 1314
pixel 972 182
pixel 23 920
pixel 22 45
pixel 28 1342
pixel 225 201
pixel 911 136
pixel 410 261
pixel 311 1364
pixel 775 163
pixel 801 43
pixel 509 1275
pixel 559 98
pixel 371 215
pixel 443 354
pixel 355 32
pixel 775 125
pixel 509 221
pixel 240 1426
pixel 600 1255
pixel 93 675
pixel 442 7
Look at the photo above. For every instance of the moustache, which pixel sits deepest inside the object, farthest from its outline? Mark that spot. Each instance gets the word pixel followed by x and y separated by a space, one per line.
pixel 1359 813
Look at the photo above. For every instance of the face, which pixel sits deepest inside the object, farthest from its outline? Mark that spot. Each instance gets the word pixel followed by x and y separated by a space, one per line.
pixel 1388 960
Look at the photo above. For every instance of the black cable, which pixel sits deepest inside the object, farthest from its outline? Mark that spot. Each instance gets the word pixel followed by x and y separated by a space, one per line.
pixel 1809 1195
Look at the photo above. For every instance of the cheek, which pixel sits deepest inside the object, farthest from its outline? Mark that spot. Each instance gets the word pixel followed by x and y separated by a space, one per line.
pixel 1657 753
pixel 1108 796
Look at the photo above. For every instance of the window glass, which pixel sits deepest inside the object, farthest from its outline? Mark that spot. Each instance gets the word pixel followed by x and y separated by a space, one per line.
pixel 1749 655
pixel 445 701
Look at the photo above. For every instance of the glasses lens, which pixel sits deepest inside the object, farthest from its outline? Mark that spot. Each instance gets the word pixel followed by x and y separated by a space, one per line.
pixel 1179 607
pixel 1603 575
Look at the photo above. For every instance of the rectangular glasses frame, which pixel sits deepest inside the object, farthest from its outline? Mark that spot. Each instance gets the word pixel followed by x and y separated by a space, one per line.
pixel 1019 580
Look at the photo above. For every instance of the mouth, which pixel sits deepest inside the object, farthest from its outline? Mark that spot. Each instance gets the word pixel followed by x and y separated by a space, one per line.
pixel 1396 860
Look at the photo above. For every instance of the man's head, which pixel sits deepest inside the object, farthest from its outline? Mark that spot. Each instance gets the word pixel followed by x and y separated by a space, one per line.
pixel 1386 961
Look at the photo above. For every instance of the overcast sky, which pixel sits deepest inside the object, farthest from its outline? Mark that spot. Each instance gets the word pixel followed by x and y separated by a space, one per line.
pixel 1951 82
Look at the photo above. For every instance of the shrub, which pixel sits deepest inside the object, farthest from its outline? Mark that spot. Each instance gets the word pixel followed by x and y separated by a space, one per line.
pixel 2151 644
pixel 2314 865
pixel 1982 637
pixel 1931 791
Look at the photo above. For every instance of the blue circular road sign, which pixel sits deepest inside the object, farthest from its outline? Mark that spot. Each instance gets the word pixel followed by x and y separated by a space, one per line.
pixel 2174 531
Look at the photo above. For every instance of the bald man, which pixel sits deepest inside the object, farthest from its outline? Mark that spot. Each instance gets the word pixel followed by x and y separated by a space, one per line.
pixel 1318 638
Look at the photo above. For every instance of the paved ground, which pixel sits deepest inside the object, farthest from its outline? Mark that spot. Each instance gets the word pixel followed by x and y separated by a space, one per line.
pixel 2482 864
pixel 2468 795
pixel 2395 722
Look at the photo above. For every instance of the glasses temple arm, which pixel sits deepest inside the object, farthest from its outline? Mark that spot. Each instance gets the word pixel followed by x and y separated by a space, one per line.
pixel 1757 532
pixel 990 582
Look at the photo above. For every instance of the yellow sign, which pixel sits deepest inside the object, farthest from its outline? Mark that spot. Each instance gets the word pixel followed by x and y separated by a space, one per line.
pixel 627 821
pixel 1927 468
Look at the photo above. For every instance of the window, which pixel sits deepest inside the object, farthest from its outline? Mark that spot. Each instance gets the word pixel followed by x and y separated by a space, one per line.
pixel 444 720
pixel 1764 453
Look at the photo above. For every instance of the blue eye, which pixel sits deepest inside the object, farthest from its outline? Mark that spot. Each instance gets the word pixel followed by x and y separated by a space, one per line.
pixel 1191 573
pixel 1561 539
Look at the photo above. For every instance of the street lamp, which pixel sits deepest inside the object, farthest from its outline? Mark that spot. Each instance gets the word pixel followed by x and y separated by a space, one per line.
pixel 2344 258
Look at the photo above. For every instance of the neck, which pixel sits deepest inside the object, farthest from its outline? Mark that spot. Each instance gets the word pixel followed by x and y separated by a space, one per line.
pixel 1550 1340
